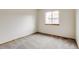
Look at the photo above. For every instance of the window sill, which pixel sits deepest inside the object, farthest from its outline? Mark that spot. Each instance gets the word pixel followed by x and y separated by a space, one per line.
pixel 52 24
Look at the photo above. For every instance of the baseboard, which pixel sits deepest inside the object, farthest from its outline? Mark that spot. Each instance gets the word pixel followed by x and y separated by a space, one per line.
pixel 55 35
pixel 36 33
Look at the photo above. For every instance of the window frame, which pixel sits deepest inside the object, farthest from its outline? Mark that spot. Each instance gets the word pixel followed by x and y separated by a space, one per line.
pixel 51 17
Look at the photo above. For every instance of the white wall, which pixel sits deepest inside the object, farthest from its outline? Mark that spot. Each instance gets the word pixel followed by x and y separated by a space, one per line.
pixel 66 27
pixel 77 27
pixel 16 23
pixel 19 23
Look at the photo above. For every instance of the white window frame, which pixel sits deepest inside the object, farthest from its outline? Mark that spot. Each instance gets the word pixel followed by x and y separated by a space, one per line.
pixel 52 17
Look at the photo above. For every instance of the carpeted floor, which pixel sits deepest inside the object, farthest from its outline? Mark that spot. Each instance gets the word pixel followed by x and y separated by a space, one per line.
pixel 39 41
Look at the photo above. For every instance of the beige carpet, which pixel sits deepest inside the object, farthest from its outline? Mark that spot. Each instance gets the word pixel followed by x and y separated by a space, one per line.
pixel 39 41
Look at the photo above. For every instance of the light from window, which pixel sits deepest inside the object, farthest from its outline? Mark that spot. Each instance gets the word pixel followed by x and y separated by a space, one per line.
pixel 52 17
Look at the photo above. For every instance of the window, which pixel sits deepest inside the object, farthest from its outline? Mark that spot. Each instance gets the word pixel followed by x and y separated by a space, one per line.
pixel 52 17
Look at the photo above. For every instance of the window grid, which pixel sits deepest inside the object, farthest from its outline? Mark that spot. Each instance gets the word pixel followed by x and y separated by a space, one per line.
pixel 52 17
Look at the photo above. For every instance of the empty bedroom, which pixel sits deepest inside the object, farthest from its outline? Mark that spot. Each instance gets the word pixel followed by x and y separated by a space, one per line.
pixel 38 29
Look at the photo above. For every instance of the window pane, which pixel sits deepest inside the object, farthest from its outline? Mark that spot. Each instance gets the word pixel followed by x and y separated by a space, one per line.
pixel 48 14
pixel 48 18
pixel 55 14
pixel 56 21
